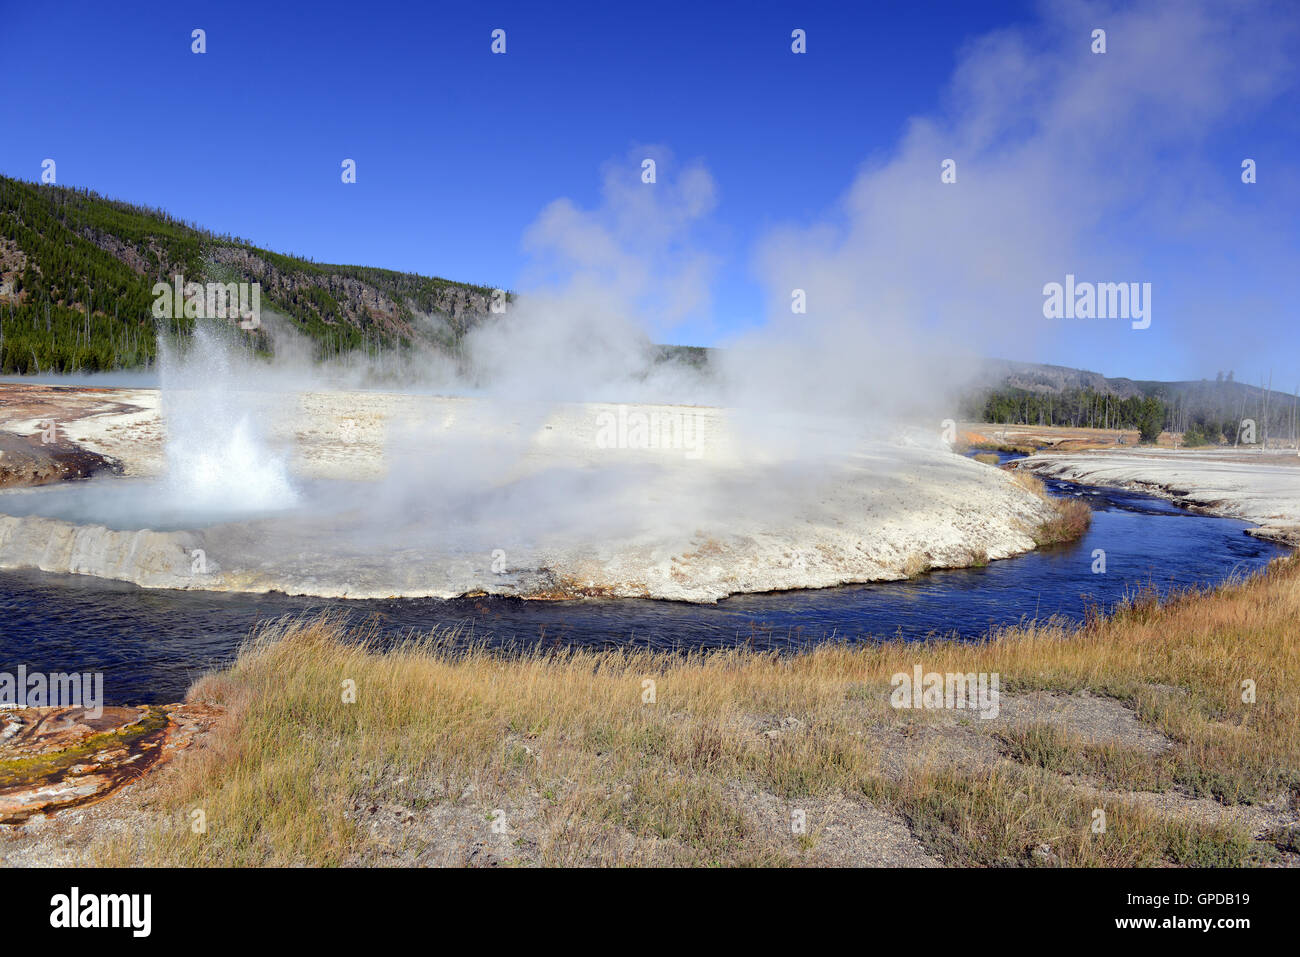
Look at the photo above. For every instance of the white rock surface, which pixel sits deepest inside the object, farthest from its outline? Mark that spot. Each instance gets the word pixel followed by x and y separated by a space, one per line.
pixel 449 496
pixel 1259 487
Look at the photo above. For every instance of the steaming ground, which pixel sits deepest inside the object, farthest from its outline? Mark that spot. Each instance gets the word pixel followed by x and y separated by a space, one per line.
pixel 279 476
pixel 367 495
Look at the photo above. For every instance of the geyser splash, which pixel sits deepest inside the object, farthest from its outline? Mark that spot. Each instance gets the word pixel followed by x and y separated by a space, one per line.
pixel 218 459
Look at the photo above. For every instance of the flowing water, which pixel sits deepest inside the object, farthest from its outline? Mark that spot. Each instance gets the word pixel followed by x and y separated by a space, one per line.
pixel 151 644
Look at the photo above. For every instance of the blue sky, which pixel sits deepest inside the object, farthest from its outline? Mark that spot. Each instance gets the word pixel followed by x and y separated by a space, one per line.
pixel 459 151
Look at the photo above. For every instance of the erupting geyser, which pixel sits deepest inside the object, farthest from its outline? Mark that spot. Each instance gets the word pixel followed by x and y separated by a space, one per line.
pixel 217 458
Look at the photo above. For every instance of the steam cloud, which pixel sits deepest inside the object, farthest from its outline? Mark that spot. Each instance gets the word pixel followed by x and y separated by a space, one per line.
pixel 1067 161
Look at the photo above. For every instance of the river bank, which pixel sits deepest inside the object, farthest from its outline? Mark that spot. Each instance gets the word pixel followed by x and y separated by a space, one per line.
pixel 150 644
pixel 1262 487
pixel 1128 740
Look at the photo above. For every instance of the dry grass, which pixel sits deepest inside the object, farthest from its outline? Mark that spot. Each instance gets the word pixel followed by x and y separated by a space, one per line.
pixel 1072 515
pixel 1030 482
pixel 917 564
pixel 1012 448
pixel 987 458
pixel 592 773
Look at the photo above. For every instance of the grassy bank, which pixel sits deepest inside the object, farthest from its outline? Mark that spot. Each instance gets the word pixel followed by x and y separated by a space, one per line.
pixel 1070 519
pixel 467 757
pixel 1010 448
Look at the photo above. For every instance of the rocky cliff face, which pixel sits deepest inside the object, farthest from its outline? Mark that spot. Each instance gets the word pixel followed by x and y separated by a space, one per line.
pixel 366 299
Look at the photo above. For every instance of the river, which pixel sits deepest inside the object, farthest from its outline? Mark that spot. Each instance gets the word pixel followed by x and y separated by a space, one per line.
pixel 151 644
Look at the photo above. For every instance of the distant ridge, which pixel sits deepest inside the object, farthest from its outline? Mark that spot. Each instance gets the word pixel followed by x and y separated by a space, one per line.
pixel 1216 406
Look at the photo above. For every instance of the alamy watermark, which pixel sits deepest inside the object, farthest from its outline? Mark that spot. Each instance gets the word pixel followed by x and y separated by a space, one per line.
pixel 1102 300
pixel 212 300
pixel 127 911
pixel 631 428
pixel 24 689
pixel 932 690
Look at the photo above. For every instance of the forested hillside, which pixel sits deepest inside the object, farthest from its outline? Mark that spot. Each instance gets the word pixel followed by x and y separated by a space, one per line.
pixel 1205 412
pixel 77 273
pixel 1074 407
